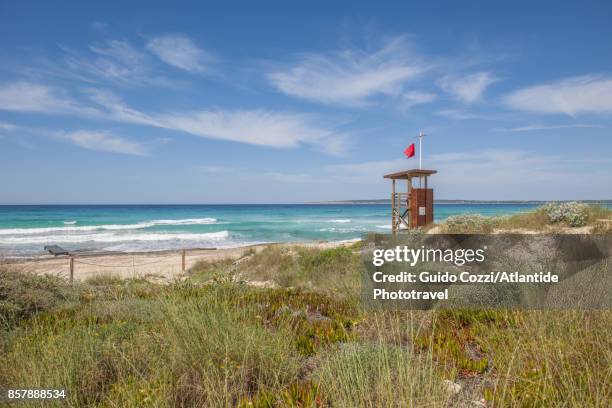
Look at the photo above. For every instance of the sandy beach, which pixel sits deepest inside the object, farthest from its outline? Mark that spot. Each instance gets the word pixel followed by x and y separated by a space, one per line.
pixel 158 266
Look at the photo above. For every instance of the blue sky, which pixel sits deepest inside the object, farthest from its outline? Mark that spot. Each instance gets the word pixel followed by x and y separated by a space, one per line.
pixel 267 102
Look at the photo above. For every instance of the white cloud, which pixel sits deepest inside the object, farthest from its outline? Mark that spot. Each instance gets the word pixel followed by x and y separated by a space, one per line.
pixel 412 98
pixel 467 88
pixel 32 97
pixel 180 51
pixel 570 96
pixel 116 109
pixel 102 142
pixel 258 127
pixel 121 51
pixel 114 61
pixel 350 77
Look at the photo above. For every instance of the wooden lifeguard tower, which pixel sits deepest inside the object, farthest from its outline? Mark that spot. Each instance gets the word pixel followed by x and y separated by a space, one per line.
pixel 414 208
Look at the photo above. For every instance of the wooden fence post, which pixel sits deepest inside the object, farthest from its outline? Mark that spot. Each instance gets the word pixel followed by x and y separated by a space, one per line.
pixel 183 259
pixel 71 270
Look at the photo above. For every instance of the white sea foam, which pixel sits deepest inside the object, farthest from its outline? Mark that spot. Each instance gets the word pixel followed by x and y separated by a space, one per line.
pixel 186 221
pixel 69 222
pixel 388 226
pixel 109 237
pixel 108 227
pixel 333 229
pixel 341 221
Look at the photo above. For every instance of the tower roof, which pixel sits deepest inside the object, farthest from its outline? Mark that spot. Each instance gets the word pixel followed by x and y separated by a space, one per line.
pixel 407 174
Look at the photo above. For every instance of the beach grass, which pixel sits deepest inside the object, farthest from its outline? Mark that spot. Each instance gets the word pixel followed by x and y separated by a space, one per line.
pixel 136 343
pixel 334 271
pixel 220 338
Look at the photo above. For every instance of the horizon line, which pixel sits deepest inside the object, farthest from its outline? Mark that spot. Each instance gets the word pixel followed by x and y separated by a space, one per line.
pixel 317 202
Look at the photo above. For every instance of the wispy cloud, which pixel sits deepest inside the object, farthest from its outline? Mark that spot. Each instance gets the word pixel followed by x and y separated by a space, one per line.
pixel 102 142
pixel 33 97
pixel 181 52
pixel 121 51
pixel 412 98
pixel 460 114
pixel 114 61
pixel 215 169
pixel 258 127
pixel 467 88
pixel 589 94
pixel 350 76
pixel 530 128
pixel 114 108
pixel 97 140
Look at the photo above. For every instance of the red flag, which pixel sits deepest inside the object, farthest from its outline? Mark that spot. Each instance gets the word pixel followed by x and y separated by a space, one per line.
pixel 409 152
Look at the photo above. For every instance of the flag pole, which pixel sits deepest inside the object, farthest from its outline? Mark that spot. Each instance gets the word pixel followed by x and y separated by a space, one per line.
pixel 421 135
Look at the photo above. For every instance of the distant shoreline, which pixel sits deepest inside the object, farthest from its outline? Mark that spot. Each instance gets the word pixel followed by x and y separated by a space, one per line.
pixel 331 202
pixel 490 202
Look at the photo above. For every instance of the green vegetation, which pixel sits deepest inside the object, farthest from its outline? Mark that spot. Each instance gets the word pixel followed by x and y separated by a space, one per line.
pixel 550 217
pixel 221 338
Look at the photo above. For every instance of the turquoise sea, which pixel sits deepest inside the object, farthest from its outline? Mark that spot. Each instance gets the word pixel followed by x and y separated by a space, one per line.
pixel 25 230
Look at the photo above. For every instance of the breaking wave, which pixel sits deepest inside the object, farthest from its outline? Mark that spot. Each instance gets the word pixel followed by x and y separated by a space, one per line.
pixel 109 237
pixel 108 227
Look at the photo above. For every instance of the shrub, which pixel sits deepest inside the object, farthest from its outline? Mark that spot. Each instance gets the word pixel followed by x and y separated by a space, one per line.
pixel 469 223
pixel 574 214
pixel 24 294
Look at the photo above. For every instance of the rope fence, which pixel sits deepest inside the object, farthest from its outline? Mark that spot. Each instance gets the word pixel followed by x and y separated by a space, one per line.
pixel 164 261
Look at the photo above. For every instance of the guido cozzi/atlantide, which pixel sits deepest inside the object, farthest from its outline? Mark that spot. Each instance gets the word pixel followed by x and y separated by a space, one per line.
pixel 464 277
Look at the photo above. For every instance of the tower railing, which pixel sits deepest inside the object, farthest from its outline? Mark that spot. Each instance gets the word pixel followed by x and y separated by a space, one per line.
pixel 399 209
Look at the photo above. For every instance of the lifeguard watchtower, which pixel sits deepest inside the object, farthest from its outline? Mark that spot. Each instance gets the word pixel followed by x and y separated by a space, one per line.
pixel 414 208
